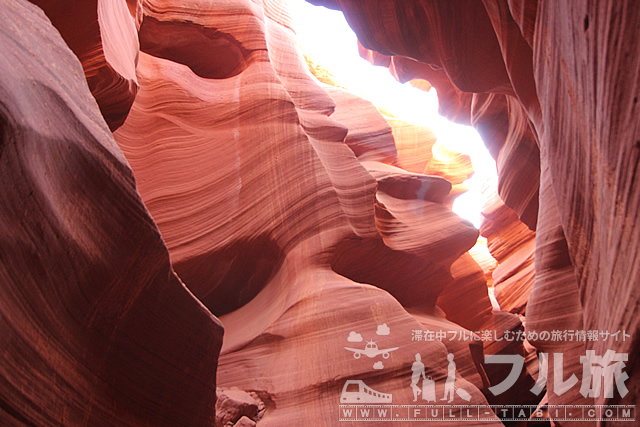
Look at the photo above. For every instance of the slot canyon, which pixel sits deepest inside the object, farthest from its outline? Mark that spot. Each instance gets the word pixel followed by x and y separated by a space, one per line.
pixel 200 227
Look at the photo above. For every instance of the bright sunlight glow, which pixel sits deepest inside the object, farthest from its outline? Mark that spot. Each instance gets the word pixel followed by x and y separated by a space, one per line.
pixel 325 35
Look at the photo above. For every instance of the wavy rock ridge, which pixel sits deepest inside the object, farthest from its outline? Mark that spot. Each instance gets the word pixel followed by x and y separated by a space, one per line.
pixel 295 212
pixel 553 88
pixel 96 327
pixel 254 191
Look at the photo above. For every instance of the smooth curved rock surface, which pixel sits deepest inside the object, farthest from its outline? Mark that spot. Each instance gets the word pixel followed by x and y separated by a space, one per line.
pixel 499 118
pixel 591 141
pixel 103 34
pixel 96 327
pixel 554 301
pixel 405 185
pixel 413 272
pixel 423 228
pixel 465 300
pixel 413 144
pixel 273 187
pixel 369 136
pixel 226 151
pixel 262 182
pixel 452 165
pixel 422 21
pixel 280 205
pixel 512 245
pixel 310 332
pixel 505 129
pixel 569 72
pixel 453 104
pixel 416 282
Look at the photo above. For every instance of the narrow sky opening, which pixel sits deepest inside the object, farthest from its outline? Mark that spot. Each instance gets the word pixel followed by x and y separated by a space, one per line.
pixel 325 35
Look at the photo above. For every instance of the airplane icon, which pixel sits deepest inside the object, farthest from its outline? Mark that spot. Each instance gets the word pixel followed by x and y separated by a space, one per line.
pixel 371 350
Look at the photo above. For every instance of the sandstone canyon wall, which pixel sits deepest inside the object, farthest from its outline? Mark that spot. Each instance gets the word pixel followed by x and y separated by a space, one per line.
pixel 96 327
pixel 166 162
pixel 552 87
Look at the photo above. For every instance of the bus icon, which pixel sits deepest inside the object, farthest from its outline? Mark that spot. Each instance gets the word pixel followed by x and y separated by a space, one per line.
pixel 356 391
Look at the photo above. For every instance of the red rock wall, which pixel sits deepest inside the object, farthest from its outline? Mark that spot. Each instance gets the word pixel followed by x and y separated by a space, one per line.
pixel 311 217
pixel 255 161
pixel 103 35
pixel 512 245
pixel 294 211
pixel 569 75
pixel 96 327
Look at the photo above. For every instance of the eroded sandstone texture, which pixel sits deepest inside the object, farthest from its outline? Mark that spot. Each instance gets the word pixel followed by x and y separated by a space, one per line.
pixel 280 204
pixel 96 327
pixel 103 34
pixel 299 214
pixel 552 87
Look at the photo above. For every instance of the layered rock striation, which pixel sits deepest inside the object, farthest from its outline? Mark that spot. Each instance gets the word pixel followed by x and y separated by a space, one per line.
pixel 96 327
pixel 236 185
pixel 550 87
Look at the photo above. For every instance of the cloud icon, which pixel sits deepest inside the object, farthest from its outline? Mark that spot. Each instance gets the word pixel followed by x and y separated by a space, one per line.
pixel 354 337
pixel 383 330
pixel 378 365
